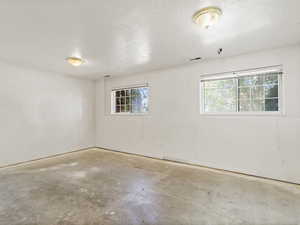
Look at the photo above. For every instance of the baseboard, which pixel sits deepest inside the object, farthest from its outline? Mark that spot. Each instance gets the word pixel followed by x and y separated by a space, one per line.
pixel 150 157
pixel 46 157
pixel 202 166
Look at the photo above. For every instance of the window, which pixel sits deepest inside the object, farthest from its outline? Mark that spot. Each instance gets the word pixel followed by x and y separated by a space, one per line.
pixel 250 91
pixel 133 100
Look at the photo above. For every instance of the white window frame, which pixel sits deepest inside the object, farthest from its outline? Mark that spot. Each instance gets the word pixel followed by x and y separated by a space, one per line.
pixel 113 102
pixel 235 74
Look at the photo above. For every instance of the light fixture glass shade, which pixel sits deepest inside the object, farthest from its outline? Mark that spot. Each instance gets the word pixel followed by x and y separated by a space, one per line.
pixel 207 17
pixel 74 61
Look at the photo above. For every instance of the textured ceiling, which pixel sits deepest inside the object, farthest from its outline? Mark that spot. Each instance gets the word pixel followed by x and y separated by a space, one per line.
pixel 120 37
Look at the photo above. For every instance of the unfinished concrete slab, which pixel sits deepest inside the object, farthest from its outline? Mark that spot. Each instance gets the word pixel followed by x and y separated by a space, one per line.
pixel 98 187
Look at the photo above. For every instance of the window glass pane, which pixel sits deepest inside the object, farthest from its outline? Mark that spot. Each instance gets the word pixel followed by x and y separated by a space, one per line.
pixel 122 108
pixel 128 108
pixel 258 105
pixel 250 81
pixel 123 101
pixel 134 92
pixel 244 93
pixel 271 78
pixel 118 101
pixel 245 105
pixel 271 105
pixel 255 90
pixel 140 100
pixel 220 95
pixel 271 91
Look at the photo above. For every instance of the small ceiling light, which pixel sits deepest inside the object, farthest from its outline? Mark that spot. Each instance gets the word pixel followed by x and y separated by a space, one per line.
pixel 74 61
pixel 207 17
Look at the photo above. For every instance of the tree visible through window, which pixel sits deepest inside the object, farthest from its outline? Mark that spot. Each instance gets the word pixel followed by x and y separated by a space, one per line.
pixel 257 92
pixel 130 100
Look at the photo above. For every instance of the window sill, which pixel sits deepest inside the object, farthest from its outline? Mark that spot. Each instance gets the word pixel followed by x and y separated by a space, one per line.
pixel 269 114
pixel 129 114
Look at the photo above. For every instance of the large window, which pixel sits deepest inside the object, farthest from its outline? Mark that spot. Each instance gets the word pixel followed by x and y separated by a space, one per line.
pixel 251 91
pixel 133 100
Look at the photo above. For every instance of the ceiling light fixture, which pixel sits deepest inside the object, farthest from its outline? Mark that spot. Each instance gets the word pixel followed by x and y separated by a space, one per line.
pixel 74 61
pixel 207 17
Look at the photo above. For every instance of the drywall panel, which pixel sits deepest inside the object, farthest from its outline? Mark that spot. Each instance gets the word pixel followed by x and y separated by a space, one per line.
pixel 43 114
pixel 267 146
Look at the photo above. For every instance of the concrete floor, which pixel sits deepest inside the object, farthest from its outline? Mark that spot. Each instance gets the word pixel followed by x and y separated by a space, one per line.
pixel 98 187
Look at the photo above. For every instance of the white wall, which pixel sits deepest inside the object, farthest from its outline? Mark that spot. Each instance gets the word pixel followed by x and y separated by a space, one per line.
pixel 42 114
pixel 258 145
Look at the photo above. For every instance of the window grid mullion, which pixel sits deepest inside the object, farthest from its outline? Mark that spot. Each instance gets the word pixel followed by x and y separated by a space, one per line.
pixel 237 95
pixel 264 93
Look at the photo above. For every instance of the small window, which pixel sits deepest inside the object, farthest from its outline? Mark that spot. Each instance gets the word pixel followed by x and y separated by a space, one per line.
pixel 250 91
pixel 133 100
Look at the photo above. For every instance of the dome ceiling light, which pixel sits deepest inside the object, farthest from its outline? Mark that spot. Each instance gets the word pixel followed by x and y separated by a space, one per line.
pixel 207 17
pixel 74 61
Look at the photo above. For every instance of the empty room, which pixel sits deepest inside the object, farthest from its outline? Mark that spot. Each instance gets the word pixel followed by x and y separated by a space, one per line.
pixel 150 112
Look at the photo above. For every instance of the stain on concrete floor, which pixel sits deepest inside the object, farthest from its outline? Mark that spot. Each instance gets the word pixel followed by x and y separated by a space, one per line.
pixel 98 187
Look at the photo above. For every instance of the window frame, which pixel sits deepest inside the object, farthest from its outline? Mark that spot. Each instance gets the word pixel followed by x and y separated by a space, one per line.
pixel 113 102
pixel 244 73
